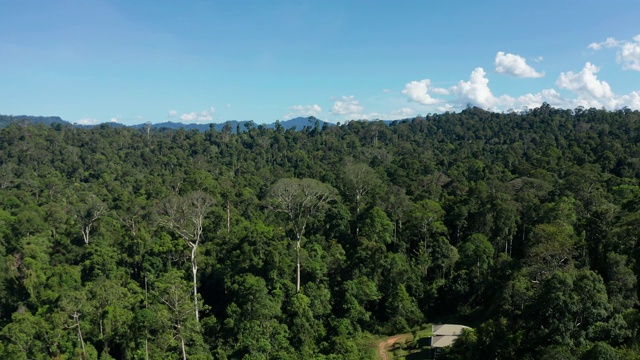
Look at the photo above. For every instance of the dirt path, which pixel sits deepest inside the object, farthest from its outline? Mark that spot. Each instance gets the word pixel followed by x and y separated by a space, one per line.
pixel 384 345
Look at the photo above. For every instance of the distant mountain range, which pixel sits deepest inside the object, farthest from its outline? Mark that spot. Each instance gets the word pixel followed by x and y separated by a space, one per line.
pixel 233 125
pixel 47 120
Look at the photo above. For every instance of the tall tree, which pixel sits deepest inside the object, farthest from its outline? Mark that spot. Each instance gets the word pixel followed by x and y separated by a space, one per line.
pixel 186 215
pixel 359 180
pixel 88 214
pixel 299 200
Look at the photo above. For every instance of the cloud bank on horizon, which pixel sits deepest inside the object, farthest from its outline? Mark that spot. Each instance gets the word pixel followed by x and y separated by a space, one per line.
pixel 583 89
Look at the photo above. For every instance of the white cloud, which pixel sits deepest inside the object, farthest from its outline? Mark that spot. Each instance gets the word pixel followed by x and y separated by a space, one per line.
pixel 202 116
pixel 173 113
pixel 610 42
pixel 439 91
pixel 538 59
pixel 476 90
pixel 445 108
pixel 530 101
pixel 594 93
pixel 189 117
pixel 347 105
pixel 591 91
pixel 370 116
pixel 418 91
pixel 631 100
pixel 303 110
pixel 115 119
pixel 515 65
pixel 629 54
pixel 402 113
pixel 88 121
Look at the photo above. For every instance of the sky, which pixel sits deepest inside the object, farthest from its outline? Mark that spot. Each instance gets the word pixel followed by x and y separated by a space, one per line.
pixel 131 62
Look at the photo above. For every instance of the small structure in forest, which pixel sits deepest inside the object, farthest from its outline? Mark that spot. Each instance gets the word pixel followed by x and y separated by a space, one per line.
pixel 444 335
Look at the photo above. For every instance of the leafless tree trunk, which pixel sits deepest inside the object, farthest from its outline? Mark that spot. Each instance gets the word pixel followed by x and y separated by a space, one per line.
pixel 185 216
pixel 299 200
pixel 76 324
pixel 89 215
pixel 360 179
pixel 228 217
pixel 174 299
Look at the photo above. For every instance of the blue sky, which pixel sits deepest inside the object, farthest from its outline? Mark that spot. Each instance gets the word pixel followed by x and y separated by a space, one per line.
pixel 92 61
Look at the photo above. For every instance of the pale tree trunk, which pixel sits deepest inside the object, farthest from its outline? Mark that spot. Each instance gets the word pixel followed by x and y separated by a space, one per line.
pixel 357 215
pixel 298 266
pixel 299 200
pixel 194 270
pixel 87 223
pixel 196 206
pixel 76 319
pixel 184 351
pixel 228 217
pixel 85 233
pixel 146 331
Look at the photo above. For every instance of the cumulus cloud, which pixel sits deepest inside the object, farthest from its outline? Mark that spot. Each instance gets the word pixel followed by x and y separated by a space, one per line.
pixel 347 105
pixel 173 113
pixel 115 119
pixel 610 42
pixel 189 117
pixel 439 91
pixel 402 113
pixel 515 65
pixel 530 101
pixel 370 116
pixel 303 110
pixel 88 121
pixel 445 108
pixel 418 91
pixel 204 115
pixel 591 91
pixel 631 100
pixel 628 54
pixel 476 90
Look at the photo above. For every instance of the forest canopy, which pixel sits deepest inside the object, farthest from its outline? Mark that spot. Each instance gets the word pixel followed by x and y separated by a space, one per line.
pixel 273 243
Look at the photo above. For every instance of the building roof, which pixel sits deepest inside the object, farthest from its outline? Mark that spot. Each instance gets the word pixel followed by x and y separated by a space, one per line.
pixel 441 341
pixel 446 334
pixel 448 330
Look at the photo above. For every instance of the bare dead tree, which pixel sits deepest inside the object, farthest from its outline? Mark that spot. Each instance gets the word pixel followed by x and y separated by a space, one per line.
pixel 88 215
pixel 175 300
pixel 359 180
pixel 299 200
pixel 185 216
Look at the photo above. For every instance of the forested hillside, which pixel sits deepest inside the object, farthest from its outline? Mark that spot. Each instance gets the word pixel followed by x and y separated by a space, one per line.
pixel 291 244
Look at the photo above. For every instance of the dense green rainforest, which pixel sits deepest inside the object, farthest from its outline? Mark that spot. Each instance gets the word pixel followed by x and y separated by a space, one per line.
pixel 291 244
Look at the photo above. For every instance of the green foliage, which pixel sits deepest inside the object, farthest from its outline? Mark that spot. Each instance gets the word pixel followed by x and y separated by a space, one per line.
pixel 270 243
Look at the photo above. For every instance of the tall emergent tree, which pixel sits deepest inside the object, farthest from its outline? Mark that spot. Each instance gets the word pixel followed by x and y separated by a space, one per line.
pixel 185 215
pixel 299 200
pixel 359 180
pixel 88 214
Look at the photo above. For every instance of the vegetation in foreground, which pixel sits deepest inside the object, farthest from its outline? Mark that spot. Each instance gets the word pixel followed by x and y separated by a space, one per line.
pixel 273 244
